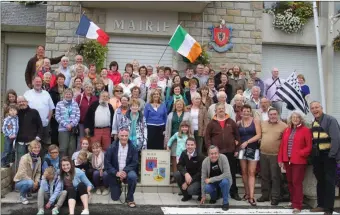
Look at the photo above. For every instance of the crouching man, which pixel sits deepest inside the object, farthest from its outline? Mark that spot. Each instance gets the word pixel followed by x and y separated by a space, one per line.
pixel 188 176
pixel 216 177
pixel 120 163
pixel 51 189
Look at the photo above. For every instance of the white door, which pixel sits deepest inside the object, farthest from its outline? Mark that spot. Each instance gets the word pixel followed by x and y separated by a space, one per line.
pixel 17 58
pixel 289 58
pixel 147 51
pixel 336 78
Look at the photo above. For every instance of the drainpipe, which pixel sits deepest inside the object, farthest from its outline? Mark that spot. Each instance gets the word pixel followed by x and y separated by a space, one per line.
pixel 318 49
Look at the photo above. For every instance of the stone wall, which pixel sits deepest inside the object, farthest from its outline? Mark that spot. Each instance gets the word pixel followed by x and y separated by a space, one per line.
pixel 245 18
pixel 6 181
pixel 3 71
pixel 61 24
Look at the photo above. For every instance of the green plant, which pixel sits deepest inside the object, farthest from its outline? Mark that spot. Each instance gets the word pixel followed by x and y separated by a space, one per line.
pixel 202 59
pixel 336 43
pixel 290 17
pixel 93 53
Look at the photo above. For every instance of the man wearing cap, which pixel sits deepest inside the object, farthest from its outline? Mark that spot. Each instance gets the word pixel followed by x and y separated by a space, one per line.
pixel 121 164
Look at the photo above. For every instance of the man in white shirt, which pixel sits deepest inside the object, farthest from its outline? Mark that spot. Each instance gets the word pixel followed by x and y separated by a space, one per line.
pixel 41 100
pixel 222 97
pixel 121 165
pixel 264 108
pixel 271 85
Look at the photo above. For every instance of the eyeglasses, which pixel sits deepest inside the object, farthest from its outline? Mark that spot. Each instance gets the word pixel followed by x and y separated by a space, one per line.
pixel 54 152
pixel 118 91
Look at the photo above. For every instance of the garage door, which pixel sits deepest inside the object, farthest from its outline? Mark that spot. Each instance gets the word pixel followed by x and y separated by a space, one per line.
pixel 336 78
pixel 146 50
pixel 290 58
pixel 17 58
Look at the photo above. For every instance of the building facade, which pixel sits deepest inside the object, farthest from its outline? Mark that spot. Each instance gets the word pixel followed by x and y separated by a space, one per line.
pixel 141 30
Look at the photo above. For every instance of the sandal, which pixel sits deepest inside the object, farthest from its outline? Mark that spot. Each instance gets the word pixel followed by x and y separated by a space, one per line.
pixel 252 202
pixel 132 204
pixel 245 197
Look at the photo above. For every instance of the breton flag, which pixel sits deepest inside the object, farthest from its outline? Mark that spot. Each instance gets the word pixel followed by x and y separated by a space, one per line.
pixel 90 30
pixel 185 44
pixel 290 93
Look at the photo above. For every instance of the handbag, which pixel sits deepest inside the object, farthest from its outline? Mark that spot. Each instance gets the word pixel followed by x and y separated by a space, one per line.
pixel 250 153
pixel 75 130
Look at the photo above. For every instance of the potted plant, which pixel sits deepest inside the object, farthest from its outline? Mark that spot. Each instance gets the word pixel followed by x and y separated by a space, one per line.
pixel 290 17
pixel 93 53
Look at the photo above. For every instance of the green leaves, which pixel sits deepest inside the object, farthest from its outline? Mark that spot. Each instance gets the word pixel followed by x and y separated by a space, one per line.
pixel 93 53
pixel 336 43
pixel 202 59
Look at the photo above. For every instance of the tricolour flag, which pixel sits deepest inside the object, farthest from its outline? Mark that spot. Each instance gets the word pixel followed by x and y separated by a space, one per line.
pixel 90 30
pixel 185 44
pixel 290 93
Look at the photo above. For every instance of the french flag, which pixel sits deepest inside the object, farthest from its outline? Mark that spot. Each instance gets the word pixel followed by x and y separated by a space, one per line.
pixel 90 30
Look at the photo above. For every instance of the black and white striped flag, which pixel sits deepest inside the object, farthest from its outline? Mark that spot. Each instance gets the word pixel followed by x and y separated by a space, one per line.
pixel 290 93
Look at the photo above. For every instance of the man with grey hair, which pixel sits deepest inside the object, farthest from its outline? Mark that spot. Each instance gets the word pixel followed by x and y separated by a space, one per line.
pixel 65 70
pixel 254 101
pixel 200 76
pixel 222 131
pixel 326 157
pixel 149 71
pixel 222 98
pixel 30 128
pixel 271 85
pixel 41 100
pixel 79 60
pixel 216 176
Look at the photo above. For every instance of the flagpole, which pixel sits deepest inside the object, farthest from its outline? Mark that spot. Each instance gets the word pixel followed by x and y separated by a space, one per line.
pixel 75 33
pixel 168 45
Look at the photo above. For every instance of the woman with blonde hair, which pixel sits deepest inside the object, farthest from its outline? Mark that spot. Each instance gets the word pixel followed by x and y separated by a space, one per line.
pixel 296 146
pixel 175 118
pixel 108 84
pixel 155 114
pixel 28 175
pixel 117 95
pixel 79 73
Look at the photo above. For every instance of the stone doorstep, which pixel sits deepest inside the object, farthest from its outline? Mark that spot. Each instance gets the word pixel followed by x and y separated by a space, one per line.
pixel 161 199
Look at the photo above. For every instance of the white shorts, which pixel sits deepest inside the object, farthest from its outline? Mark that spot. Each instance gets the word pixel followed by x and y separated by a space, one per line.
pixel 241 155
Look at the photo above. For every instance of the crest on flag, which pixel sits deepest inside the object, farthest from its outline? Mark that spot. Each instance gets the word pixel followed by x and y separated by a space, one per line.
pixel 221 37
pixel 290 93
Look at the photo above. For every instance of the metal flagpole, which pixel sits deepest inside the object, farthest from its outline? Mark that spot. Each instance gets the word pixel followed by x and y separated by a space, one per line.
pixel 318 49
pixel 166 47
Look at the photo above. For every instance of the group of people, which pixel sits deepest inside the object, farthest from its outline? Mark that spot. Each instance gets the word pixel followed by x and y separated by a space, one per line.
pixel 82 131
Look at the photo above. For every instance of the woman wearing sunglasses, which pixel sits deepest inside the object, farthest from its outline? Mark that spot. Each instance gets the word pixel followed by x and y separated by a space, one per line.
pixel 117 95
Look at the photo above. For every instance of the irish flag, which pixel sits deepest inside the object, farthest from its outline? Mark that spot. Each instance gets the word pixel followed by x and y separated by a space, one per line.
pixel 185 44
pixel 90 30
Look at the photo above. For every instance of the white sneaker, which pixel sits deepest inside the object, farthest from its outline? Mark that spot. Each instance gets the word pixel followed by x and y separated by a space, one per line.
pixel 105 192
pixel 98 191
pixel 23 200
pixel 41 212
pixel 55 211
pixel 85 211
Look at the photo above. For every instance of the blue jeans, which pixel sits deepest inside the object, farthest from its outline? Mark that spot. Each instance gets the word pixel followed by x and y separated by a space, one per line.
pixel 224 185
pixel 115 186
pixel 6 154
pixel 24 186
pixel 96 179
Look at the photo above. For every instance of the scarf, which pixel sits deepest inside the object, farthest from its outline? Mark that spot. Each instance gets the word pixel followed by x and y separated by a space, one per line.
pixel 176 97
pixel 34 157
pixel 133 133
pixel 98 161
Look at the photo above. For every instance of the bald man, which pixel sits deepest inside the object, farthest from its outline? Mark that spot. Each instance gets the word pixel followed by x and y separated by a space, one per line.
pixel 264 108
pixel 271 85
pixel 326 157
pixel 30 128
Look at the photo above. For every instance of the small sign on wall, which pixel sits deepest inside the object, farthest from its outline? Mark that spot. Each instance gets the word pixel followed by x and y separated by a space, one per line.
pixel 155 168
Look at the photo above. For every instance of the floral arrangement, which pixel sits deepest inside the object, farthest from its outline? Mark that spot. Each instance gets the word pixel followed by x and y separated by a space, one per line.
pixel 202 59
pixel 93 53
pixel 290 17
pixel 336 43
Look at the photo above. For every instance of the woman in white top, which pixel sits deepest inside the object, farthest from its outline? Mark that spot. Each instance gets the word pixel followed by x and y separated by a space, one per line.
pixel 162 80
pixel 199 120
pixel 247 92
pixel 108 83
pixel 126 84
pixel 142 82
pixel 135 68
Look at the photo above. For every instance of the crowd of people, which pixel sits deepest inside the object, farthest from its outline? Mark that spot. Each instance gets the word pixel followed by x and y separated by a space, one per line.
pixel 76 131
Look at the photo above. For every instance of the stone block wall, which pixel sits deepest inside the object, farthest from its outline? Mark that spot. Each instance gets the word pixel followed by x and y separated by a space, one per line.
pixel 61 24
pixel 3 71
pixel 245 18
pixel 6 180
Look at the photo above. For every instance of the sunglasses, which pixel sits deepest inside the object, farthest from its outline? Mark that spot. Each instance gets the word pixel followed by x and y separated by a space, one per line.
pixel 118 91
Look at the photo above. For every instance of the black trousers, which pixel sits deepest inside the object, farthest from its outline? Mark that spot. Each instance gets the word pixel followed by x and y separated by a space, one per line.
pixel 54 131
pixel 72 192
pixel 324 169
pixel 233 168
pixel 155 137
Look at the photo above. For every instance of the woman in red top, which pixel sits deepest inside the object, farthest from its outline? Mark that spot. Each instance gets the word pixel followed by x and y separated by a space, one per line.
pixel 296 145
pixel 114 74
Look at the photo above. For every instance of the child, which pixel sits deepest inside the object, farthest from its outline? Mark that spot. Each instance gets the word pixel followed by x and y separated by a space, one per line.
pixel 51 159
pixel 51 190
pixel 100 177
pixel 181 137
pixel 84 146
pixel 10 130
pixel 81 162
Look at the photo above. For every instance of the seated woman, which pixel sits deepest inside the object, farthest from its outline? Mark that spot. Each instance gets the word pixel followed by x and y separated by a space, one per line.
pixel 99 177
pixel 76 184
pixel 52 158
pixel 28 176
pixel 51 189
